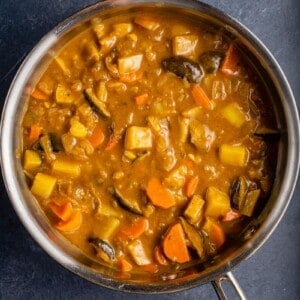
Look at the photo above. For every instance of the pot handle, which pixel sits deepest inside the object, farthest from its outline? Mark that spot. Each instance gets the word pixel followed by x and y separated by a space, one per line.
pixel 228 277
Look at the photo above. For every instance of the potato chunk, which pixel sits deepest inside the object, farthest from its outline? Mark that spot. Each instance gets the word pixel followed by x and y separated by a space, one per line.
pixel 233 155
pixel 32 160
pixel 137 251
pixel 63 95
pixel 43 185
pixel 234 115
pixel 68 168
pixel 184 44
pixel 193 212
pixel 138 138
pixel 130 64
pixel 217 203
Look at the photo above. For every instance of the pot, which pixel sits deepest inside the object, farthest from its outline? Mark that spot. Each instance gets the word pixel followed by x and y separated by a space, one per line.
pixel 255 234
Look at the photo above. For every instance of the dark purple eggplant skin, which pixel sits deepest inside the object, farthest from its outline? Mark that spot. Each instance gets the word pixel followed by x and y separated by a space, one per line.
pixel 184 68
pixel 99 244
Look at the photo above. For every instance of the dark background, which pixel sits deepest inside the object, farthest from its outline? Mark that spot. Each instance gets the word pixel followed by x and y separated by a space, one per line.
pixel 27 272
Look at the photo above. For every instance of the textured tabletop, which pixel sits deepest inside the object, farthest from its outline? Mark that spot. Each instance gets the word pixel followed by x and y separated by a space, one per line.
pixel 27 272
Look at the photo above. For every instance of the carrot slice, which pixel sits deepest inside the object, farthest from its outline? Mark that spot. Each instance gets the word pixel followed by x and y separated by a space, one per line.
pixel 215 232
pixel 63 211
pixel 174 245
pixel 34 132
pixel 97 137
pixel 191 186
pixel 112 143
pixel 72 224
pixel 201 98
pixel 151 268
pixel 231 215
pixel 141 99
pixel 39 95
pixel 135 229
pixel 158 194
pixel 124 265
pixel 159 257
pixel 189 163
pixel 231 61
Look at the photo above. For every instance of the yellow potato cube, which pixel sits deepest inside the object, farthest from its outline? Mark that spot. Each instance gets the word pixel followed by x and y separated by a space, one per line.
pixel 184 44
pixel 234 114
pixel 130 64
pixel 233 155
pixel 194 209
pixel 217 203
pixel 138 138
pixel 63 95
pixel 32 160
pixel 106 227
pixel 77 129
pixel 121 29
pixel 43 185
pixel 67 168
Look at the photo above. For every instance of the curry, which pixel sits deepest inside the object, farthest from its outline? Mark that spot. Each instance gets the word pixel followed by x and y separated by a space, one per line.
pixel 149 142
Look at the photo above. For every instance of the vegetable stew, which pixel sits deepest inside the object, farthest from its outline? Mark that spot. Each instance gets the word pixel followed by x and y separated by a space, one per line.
pixel 150 142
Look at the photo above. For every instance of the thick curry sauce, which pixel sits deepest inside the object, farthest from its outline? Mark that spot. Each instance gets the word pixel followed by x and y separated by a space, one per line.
pixel 146 142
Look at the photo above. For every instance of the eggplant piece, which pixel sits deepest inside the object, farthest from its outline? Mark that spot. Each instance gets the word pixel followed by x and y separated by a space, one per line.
pixel 96 104
pixel 184 68
pixel 250 202
pixel 211 61
pixel 128 204
pixel 238 192
pixel 103 246
pixel 194 236
pixel 56 142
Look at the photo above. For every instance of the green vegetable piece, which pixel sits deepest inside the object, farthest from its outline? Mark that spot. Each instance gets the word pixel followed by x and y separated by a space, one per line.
pixel 250 202
pixel 194 236
pixel 211 61
pixel 238 191
pixel 194 210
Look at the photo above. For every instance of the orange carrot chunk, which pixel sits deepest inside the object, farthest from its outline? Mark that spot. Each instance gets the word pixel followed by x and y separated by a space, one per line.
pixel 191 186
pixel 141 99
pixel 150 268
pixel 158 194
pixel 39 95
pixel 215 232
pixel 97 137
pixel 231 61
pixel 34 132
pixel 201 98
pixel 72 224
pixel 63 211
pixel 135 230
pixel 231 215
pixel 174 245
pixel 124 265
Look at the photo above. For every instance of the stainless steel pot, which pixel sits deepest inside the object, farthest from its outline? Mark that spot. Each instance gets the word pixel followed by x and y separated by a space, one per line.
pixel 255 234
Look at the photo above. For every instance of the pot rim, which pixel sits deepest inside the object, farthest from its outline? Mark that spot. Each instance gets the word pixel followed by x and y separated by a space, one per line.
pixel 14 190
